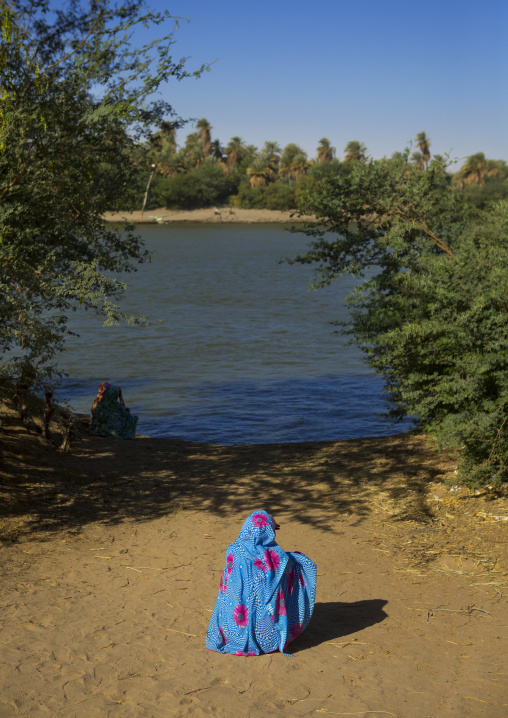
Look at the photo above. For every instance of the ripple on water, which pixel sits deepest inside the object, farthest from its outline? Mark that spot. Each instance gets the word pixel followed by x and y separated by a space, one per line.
pixel 239 352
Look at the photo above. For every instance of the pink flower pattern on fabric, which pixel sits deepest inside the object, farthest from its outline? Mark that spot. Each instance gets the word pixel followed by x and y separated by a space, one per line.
pixel 295 630
pixel 291 581
pixel 280 604
pixel 241 615
pixel 260 520
pixel 263 601
pixel 272 559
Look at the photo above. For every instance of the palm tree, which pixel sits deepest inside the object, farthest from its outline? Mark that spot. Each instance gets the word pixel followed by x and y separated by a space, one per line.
pixel 271 148
pixel 204 133
pixel 473 171
pixel 500 171
pixel 193 150
pixel 217 150
pixel 300 165
pixel 260 172
pixel 235 152
pixel 161 148
pixel 423 144
pixel 165 162
pixel 251 152
pixel 165 135
pixel 497 170
pixel 293 162
pixel 355 151
pixel 418 160
pixel 271 154
pixel 492 169
pixel 325 151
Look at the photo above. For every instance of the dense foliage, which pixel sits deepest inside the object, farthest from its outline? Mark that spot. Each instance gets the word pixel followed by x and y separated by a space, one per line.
pixel 75 103
pixel 431 309
pixel 273 177
pixel 207 185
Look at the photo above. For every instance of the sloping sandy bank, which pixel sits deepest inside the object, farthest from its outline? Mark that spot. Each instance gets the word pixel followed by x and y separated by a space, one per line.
pixel 112 553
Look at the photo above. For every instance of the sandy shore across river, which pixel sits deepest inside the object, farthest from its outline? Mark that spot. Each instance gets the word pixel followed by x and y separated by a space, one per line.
pixel 209 215
pixel 111 554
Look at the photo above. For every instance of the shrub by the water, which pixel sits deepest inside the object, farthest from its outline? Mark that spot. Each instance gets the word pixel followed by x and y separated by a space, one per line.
pixel 204 186
pixel 276 196
pixel 76 100
pixel 431 311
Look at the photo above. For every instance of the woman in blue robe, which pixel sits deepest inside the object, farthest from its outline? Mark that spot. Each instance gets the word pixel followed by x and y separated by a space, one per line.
pixel 266 596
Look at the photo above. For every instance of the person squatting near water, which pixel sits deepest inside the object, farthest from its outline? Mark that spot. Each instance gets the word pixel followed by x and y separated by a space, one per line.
pixel 266 596
pixel 110 416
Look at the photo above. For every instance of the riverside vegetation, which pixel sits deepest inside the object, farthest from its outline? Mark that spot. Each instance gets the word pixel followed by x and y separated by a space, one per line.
pixel 432 307
pixel 203 172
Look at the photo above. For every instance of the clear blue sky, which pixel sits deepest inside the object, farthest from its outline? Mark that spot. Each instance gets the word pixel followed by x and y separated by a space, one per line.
pixel 372 70
pixel 378 71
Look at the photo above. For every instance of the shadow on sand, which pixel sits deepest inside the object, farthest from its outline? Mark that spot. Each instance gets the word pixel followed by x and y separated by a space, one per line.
pixel 334 620
pixel 110 481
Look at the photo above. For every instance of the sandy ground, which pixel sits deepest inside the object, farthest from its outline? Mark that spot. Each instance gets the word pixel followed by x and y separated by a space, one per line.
pixel 215 215
pixel 111 556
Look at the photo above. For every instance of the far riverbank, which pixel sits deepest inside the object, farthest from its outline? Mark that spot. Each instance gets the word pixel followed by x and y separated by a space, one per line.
pixel 207 215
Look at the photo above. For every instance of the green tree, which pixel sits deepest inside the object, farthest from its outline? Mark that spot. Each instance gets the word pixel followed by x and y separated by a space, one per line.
pixel 260 172
pixel 204 132
pixel 418 160
pixel 217 150
pixel 423 144
pixel 192 151
pixel 355 151
pixel 235 151
pixel 430 310
pixel 160 150
pixel 205 186
pixel 164 137
pixel 293 163
pixel 272 151
pixel 76 98
pixel 497 170
pixel 473 171
pixel 325 151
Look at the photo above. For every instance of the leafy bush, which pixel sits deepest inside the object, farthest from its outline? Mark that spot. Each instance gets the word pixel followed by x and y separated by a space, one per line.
pixel 248 197
pixel 481 196
pixel 431 313
pixel 280 196
pixel 204 186
pixel 277 195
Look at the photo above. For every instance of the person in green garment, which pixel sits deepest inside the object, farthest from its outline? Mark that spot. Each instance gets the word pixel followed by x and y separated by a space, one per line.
pixel 110 417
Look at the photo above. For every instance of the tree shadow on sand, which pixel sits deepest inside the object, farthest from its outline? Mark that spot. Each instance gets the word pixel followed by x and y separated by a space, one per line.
pixel 111 481
pixel 336 619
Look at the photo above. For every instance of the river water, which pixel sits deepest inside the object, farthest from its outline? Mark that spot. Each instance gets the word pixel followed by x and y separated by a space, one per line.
pixel 240 350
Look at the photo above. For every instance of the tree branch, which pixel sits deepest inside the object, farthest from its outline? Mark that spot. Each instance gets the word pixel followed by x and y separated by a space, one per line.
pixel 49 67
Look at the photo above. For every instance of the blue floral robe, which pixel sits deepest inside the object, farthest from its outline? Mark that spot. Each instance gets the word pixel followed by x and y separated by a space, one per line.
pixel 266 596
